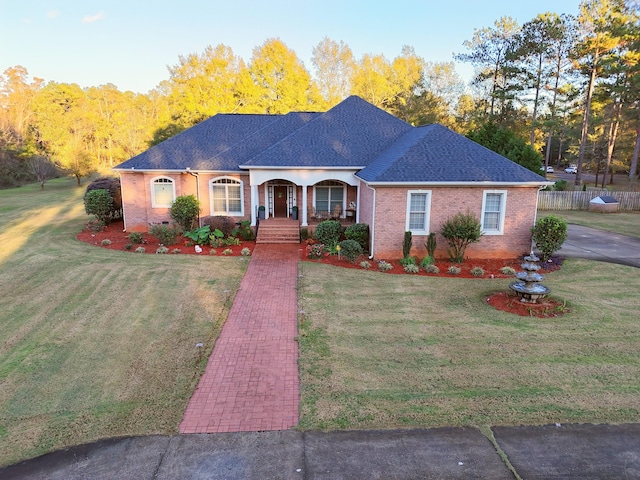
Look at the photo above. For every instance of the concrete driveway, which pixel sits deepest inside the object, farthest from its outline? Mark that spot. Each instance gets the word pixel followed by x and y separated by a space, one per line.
pixel 593 244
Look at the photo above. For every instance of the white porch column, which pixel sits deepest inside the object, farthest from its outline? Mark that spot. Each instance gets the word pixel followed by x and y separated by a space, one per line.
pixel 254 204
pixel 304 205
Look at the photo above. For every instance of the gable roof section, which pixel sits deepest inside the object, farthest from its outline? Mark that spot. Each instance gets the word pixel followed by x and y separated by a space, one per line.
pixel 435 154
pixel 350 135
pixel 253 144
pixel 200 142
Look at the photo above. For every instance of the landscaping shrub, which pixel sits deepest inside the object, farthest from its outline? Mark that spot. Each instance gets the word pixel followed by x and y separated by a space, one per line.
pixel 99 203
pixel 135 237
pixel 162 250
pixel 454 270
pixel 549 233
pixel 460 231
pixel 244 230
pixel 140 250
pixel 112 185
pixel 184 211
pixel 166 234
pixel 411 268
pixel 245 252
pixel 477 271
pixel 406 244
pixel 350 249
pixel 105 242
pixel 200 235
pixel 507 271
pixel 328 232
pixel 360 233
pixel 432 269
pixel 560 185
pixel 408 261
pixel 316 250
pixel 365 264
pixel 384 266
pixel 220 222
pixel 431 245
pixel 426 261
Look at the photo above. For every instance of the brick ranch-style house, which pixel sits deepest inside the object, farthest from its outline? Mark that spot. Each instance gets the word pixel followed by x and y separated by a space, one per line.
pixel 355 162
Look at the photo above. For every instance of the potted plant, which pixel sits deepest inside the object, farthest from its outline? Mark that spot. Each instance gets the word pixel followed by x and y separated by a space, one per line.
pixel 294 212
pixel 261 212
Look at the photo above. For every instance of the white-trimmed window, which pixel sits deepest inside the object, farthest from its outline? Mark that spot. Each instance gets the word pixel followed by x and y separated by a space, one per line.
pixel 227 197
pixel 328 195
pixel 418 208
pixel 493 210
pixel 163 192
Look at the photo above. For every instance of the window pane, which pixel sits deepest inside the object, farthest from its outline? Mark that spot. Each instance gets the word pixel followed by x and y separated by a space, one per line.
pixel 418 202
pixel 322 199
pixel 336 194
pixel 234 198
pixel 163 192
pixel 416 221
pixel 491 220
pixel 218 195
pixel 492 212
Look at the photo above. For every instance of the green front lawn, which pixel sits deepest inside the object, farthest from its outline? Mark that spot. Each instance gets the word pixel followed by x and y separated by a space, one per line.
pixel 96 343
pixel 389 351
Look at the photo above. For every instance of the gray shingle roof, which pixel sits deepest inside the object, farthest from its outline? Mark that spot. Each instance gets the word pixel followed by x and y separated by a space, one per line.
pixel 434 153
pixel 201 142
pixel 353 134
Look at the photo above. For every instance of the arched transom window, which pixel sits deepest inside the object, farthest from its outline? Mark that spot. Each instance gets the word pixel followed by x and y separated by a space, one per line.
pixel 226 196
pixel 163 192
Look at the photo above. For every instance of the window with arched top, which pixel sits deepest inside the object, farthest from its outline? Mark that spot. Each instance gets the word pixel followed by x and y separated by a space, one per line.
pixel 163 192
pixel 226 196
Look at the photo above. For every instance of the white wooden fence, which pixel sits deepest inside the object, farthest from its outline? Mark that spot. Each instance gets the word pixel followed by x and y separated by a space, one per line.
pixel 579 200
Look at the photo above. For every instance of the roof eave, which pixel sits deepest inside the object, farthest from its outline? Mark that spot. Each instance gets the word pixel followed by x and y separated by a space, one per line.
pixel 301 167
pixel 172 170
pixel 458 184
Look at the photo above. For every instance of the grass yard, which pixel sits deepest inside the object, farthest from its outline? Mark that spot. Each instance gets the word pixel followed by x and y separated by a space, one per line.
pixel 389 351
pixel 626 223
pixel 96 343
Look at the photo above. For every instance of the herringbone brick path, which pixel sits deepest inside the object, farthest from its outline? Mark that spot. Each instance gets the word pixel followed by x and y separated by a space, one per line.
pixel 251 379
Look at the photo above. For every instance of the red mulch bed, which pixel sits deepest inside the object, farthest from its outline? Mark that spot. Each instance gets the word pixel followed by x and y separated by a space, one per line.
pixel 119 238
pixel 505 301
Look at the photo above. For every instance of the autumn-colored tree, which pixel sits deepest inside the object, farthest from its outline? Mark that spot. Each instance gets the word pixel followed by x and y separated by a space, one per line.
pixel 61 128
pixel 203 85
pixel 282 84
pixel 334 64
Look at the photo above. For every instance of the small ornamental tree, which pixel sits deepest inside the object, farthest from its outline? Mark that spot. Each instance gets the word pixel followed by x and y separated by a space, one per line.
pixel 406 245
pixel 549 233
pixel 184 211
pixel 99 203
pixel 460 231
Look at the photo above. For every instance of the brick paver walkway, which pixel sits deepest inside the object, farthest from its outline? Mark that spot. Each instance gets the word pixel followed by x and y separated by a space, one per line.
pixel 251 379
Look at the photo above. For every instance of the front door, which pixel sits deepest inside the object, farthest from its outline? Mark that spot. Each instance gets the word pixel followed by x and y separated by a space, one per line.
pixel 280 201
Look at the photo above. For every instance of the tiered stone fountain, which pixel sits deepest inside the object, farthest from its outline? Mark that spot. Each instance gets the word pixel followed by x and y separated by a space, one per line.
pixel 528 287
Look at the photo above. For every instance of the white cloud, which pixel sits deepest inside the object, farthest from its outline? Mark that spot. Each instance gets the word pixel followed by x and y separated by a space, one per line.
pixel 93 18
pixel 53 14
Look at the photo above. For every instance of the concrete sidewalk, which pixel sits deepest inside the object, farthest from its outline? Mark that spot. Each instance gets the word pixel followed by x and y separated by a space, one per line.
pixel 567 452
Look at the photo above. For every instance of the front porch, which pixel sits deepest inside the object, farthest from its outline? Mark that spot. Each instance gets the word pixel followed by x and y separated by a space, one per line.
pixel 309 196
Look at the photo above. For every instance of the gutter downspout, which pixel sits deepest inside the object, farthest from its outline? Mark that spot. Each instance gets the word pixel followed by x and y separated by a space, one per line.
pixel 373 222
pixel 188 170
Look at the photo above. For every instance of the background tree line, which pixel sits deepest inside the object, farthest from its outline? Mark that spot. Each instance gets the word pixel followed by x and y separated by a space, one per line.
pixel 568 86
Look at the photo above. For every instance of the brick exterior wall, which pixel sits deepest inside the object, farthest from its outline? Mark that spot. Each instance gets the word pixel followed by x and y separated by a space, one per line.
pixel 390 220
pixel 139 214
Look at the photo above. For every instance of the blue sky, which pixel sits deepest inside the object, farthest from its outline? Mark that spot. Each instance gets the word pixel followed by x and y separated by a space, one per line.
pixel 131 43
